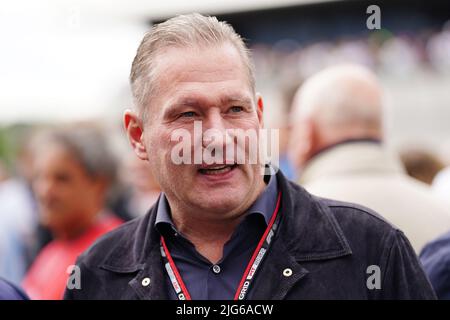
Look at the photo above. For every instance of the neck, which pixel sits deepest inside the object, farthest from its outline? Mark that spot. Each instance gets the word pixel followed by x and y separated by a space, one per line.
pixel 207 230
pixel 209 235
pixel 77 228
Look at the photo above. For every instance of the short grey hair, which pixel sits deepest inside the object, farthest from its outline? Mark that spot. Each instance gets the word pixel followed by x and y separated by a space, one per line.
pixel 87 145
pixel 183 31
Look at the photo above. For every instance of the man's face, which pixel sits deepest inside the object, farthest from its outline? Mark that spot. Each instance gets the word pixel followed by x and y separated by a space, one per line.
pixel 208 85
pixel 66 194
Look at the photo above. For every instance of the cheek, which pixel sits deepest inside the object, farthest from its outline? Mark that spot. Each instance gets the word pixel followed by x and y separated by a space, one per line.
pixel 59 192
pixel 79 192
pixel 159 146
pixel 38 189
pixel 249 122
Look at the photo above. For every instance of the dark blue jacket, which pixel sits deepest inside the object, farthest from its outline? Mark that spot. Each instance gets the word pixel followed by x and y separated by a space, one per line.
pixel 435 258
pixel 330 247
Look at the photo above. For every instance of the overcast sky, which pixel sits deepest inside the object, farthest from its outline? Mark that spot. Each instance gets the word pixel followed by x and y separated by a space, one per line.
pixel 67 60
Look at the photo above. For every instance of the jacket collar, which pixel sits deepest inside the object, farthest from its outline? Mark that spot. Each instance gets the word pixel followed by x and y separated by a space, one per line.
pixel 358 157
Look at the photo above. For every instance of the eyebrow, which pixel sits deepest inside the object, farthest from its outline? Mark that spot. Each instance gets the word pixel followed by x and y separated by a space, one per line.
pixel 190 102
pixel 240 99
pixel 196 103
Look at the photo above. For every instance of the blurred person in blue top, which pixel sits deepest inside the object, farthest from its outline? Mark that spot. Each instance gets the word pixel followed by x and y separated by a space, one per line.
pixel 18 216
pixel 435 258
pixel 9 291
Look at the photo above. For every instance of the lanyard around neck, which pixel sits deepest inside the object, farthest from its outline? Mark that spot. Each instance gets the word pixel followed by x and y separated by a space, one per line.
pixel 249 273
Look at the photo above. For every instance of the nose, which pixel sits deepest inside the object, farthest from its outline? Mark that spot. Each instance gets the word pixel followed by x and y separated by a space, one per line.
pixel 217 138
pixel 213 127
pixel 44 188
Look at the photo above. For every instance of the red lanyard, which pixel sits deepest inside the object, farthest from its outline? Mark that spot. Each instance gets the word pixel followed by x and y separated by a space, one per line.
pixel 249 274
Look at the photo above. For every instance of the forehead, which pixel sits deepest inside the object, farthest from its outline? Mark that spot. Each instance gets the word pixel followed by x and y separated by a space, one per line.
pixel 213 67
pixel 54 154
pixel 212 57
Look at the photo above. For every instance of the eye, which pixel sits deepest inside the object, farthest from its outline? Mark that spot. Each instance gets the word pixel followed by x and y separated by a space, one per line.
pixel 188 114
pixel 63 177
pixel 236 109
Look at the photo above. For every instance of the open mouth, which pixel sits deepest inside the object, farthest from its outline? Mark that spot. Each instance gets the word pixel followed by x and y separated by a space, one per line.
pixel 217 169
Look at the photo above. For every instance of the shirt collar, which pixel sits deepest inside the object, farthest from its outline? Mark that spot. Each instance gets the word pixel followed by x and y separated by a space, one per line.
pixel 266 202
pixel 264 205
pixel 345 142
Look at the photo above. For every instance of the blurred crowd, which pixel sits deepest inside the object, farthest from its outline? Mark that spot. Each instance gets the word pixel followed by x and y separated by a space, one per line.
pixel 413 66
pixel 395 54
pixel 68 185
pixel 69 189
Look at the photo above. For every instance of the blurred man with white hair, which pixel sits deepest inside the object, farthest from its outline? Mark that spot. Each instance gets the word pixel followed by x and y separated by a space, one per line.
pixel 337 143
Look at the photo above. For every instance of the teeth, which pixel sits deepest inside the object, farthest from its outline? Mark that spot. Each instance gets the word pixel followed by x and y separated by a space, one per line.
pixel 216 170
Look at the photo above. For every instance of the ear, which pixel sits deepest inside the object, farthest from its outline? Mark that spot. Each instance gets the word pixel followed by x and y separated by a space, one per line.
pixel 260 109
pixel 134 129
pixel 302 142
pixel 313 136
pixel 310 139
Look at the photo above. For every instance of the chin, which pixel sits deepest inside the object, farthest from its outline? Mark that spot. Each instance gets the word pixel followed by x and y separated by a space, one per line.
pixel 222 203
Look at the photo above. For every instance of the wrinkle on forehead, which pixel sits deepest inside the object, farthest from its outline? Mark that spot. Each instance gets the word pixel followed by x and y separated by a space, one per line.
pixel 181 64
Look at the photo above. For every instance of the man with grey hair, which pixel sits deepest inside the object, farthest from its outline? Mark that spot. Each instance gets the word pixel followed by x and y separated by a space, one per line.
pixel 337 142
pixel 222 230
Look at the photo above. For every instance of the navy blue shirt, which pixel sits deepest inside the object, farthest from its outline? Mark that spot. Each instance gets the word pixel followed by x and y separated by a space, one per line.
pixel 203 279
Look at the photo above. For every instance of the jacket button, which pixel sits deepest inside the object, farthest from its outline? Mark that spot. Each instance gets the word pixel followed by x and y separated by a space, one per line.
pixel 287 272
pixel 145 282
pixel 216 269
